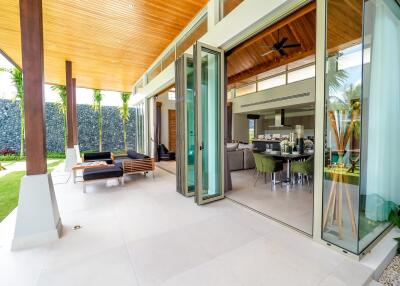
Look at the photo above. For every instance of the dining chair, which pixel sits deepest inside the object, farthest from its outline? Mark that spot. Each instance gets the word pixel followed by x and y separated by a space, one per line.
pixel 266 164
pixel 304 168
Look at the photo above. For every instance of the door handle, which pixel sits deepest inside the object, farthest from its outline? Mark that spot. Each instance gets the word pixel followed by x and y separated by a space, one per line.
pixel 201 147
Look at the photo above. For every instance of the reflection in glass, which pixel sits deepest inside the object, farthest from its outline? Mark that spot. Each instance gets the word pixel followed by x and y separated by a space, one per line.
pixel 362 113
pixel 190 132
pixel 210 124
pixel 343 125
pixel 381 116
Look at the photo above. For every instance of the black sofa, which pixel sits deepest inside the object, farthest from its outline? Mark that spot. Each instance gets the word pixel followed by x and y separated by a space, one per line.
pixel 164 154
pixel 98 156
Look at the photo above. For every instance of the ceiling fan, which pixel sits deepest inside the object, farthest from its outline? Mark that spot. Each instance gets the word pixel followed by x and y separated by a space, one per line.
pixel 280 47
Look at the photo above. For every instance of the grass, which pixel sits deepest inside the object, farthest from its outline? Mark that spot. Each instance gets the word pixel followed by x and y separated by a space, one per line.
pixel 9 190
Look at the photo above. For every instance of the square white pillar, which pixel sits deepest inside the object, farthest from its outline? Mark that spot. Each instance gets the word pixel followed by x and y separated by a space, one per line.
pixel 38 219
pixel 70 159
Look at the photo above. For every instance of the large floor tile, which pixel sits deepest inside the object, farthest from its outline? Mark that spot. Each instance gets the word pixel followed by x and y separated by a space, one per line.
pixel 111 267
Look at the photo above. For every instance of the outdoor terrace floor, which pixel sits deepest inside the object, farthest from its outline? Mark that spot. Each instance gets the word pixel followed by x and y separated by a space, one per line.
pixel 145 233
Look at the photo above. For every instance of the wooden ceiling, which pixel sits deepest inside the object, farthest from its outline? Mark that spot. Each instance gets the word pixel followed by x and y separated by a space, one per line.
pixel 111 43
pixel 246 60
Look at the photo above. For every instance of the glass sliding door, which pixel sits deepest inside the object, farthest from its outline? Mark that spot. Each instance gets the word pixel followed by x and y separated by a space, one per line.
pixel 380 170
pixel 362 113
pixel 185 110
pixel 209 93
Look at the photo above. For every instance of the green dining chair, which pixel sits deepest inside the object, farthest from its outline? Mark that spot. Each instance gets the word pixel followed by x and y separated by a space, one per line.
pixel 304 168
pixel 267 165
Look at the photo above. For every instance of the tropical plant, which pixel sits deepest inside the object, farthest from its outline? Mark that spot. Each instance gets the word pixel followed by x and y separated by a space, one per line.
pixel 97 98
pixel 394 218
pixel 335 78
pixel 62 106
pixel 124 112
pixel 16 78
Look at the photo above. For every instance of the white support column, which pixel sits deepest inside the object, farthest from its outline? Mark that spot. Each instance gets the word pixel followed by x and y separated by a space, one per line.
pixel 319 114
pixel 38 219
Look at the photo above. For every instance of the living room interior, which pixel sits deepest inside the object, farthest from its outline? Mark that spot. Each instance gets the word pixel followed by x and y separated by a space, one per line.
pixel 271 120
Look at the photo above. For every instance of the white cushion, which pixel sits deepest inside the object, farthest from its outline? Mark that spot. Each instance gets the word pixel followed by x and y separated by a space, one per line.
pixel 231 146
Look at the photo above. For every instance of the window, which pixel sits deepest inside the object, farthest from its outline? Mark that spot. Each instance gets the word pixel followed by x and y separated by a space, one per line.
pixel 243 90
pixel 193 35
pixel 168 58
pixel 228 6
pixel 154 72
pixel 301 74
pixel 272 82
pixel 252 129
pixel 171 95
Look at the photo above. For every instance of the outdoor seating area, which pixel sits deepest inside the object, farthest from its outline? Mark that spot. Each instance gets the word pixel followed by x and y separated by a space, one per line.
pixel 101 166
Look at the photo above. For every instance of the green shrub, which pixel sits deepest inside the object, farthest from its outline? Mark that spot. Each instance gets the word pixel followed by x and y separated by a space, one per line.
pixel 55 155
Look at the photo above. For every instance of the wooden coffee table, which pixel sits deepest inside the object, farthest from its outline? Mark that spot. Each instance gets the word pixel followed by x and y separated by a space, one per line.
pixel 89 165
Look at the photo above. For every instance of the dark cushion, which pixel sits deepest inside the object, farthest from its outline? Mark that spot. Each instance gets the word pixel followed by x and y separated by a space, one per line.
pixel 102 173
pixel 96 156
pixel 134 155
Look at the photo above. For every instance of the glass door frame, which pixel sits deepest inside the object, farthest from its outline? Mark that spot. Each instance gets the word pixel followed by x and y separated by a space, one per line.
pixel 181 71
pixel 198 48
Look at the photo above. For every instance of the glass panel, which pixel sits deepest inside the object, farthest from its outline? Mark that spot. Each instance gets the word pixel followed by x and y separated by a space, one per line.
pixel 381 114
pixel 301 74
pixel 251 88
pixel 210 104
pixel 229 6
pixel 252 129
pixel 168 59
pixel 154 72
pixel 193 35
pixel 190 132
pixel 343 124
pixel 272 82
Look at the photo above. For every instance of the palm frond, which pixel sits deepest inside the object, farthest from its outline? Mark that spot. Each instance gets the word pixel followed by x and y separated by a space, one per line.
pixel 97 98
pixel 62 102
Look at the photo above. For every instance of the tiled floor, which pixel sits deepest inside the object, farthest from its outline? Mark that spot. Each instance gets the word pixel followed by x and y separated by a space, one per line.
pixel 291 204
pixel 145 234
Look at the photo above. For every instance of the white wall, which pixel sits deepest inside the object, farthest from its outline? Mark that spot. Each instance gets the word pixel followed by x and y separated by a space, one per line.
pixel 241 104
pixel 166 105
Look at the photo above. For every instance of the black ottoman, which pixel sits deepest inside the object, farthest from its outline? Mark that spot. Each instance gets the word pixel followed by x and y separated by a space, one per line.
pixel 105 173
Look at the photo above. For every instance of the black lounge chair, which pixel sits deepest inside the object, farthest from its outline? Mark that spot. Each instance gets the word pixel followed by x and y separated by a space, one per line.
pixel 164 154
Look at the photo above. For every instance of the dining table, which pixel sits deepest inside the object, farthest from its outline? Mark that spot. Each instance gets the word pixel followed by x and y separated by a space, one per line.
pixel 288 158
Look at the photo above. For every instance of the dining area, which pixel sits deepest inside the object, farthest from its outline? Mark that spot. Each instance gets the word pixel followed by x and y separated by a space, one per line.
pixel 290 157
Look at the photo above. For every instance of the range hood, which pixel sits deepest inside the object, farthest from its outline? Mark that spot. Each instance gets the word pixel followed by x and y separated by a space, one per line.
pixel 279 119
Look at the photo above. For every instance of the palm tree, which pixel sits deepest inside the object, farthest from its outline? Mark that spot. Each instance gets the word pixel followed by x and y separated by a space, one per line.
pixel 335 78
pixel 124 112
pixel 62 106
pixel 16 78
pixel 97 98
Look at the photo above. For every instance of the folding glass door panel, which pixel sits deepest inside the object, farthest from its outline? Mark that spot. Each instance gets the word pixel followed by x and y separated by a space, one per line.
pixel 185 142
pixel 209 118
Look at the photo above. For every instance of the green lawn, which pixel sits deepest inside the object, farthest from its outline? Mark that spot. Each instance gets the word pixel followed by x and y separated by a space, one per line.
pixel 9 190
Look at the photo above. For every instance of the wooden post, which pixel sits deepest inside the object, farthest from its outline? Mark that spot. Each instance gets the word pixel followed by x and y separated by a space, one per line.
pixel 33 71
pixel 70 105
pixel 38 219
pixel 75 117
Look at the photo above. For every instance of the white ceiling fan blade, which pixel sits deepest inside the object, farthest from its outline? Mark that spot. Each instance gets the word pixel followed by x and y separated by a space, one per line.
pixel 267 53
